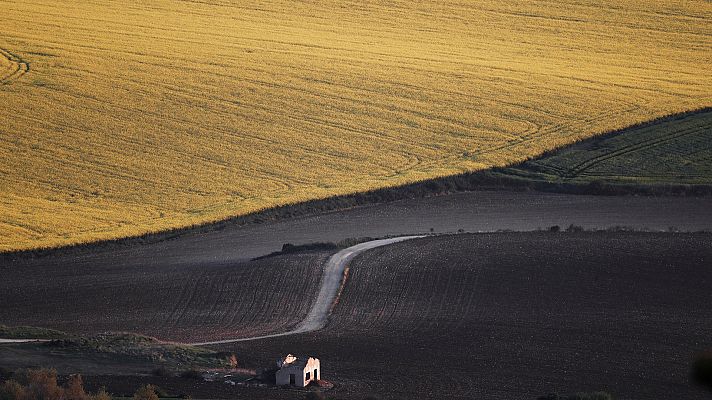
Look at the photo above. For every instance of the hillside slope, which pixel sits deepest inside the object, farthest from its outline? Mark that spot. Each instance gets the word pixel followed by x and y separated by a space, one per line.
pixel 130 117
pixel 516 316
pixel 497 316
pixel 676 151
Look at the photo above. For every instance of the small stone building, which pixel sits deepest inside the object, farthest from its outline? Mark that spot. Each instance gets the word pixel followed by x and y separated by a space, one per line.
pixel 297 371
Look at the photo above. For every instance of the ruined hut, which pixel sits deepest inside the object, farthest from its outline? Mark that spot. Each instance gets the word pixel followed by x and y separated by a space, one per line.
pixel 297 371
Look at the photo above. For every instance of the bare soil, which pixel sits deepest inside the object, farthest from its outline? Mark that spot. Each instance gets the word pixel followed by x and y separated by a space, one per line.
pixel 498 315
pixel 516 316
pixel 469 211
pixel 183 302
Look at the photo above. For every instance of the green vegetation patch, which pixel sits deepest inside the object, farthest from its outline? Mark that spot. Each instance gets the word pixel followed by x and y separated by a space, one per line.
pixel 673 150
pixel 29 332
pixel 111 347
pixel 144 348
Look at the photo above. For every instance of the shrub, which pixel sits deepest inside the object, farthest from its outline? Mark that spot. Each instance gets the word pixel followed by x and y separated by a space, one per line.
pixel 146 392
pixel 574 228
pixel 12 390
pixel 160 392
pixel 102 394
pixel 41 384
pixel 555 228
pixel 74 389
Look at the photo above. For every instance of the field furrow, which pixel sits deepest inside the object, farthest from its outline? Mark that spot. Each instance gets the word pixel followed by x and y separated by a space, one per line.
pixel 516 316
pixel 11 67
pixel 219 301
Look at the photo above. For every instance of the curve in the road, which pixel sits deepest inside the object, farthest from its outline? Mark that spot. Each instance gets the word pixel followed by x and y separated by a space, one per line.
pixel 330 283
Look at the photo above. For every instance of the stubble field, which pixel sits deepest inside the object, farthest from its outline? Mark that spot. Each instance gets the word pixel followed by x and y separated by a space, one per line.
pixel 122 117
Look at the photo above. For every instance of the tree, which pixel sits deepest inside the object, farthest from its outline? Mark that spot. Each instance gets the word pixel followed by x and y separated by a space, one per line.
pixel 146 392
pixel 42 384
pixel 233 361
pixel 74 389
pixel 12 390
pixel 102 394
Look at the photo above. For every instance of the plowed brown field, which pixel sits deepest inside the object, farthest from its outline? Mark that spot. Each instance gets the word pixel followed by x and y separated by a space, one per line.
pixel 500 316
pixel 516 316
pixel 183 302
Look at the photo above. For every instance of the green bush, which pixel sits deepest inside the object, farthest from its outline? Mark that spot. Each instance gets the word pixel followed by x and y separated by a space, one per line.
pixel 146 392
pixel 41 384
pixel 11 390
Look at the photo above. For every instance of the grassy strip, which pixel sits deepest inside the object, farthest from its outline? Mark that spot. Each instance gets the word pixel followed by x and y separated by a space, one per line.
pixel 29 332
pixel 143 347
pixel 123 344
pixel 670 154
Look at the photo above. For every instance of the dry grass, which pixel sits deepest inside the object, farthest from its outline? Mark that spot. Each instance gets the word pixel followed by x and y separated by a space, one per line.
pixel 137 117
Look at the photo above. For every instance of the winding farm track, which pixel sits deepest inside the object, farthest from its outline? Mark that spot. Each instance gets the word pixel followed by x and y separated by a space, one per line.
pixel 331 281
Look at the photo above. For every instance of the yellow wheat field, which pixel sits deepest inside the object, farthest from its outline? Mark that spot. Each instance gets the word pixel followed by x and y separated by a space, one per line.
pixel 120 117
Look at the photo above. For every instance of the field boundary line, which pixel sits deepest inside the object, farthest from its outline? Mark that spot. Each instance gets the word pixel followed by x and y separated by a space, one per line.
pixel 331 283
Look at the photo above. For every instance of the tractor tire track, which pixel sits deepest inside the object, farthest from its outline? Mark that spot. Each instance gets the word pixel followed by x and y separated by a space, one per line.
pixel 17 67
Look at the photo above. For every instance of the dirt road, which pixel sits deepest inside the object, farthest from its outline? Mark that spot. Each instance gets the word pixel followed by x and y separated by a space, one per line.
pixel 330 283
